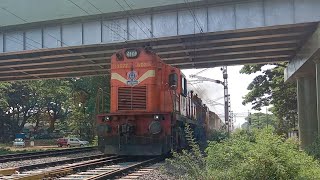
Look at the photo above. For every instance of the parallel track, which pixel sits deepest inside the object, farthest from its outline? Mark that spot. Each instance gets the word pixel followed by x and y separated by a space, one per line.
pixel 100 168
pixel 45 170
pixel 32 155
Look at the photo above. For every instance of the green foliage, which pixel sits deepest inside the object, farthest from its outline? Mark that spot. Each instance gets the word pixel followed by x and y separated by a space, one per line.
pixel 261 120
pixel 217 135
pixel 259 155
pixel 91 96
pixel 269 88
pixel 54 99
pixel 314 148
pixel 86 91
pixel 4 151
pixel 187 164
pixel 81 124
pixel 66 104
pixel 3 98
pixel 95 141
pixel 256 154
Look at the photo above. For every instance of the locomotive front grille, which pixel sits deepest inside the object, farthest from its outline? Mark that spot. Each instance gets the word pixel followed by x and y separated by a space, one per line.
pixel 132 98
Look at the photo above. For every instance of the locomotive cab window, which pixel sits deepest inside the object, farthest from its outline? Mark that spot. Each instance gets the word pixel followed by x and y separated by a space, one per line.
pixel 184 86
pixel 173 80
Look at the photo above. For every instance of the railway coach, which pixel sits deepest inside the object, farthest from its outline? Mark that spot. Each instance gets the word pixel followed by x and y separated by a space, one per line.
pixel 150 105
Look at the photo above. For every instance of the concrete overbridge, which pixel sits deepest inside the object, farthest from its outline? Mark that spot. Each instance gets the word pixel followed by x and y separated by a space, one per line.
pixel 41 39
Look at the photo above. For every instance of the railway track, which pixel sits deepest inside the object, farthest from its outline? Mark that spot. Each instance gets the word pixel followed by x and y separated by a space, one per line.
pixel 31 155
pixel 116 171
pixel 55 169
pixel 97 167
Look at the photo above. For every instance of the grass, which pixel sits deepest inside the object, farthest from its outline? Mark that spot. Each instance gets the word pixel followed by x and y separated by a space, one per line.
pixel 6 148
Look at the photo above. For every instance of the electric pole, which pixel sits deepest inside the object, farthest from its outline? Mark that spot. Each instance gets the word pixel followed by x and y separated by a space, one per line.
pixel 226 97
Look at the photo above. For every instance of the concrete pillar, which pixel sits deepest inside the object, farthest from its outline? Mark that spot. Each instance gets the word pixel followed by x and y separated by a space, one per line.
pixel 307 110
pixel 318 92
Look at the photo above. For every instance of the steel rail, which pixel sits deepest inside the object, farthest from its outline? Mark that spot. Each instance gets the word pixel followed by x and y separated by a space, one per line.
pixel 120 172
pixel 23 156
pixel 61 171
pixel 10 171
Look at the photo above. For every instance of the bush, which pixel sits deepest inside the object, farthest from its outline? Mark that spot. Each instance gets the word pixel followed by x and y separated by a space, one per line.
pixel 217 135
pixel 259 155
pixel 95 141
pixel 189 164
pixel 314 148
pixel 4 151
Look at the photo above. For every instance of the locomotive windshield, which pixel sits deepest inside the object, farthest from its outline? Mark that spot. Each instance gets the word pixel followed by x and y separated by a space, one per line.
pixel 184 86
pixel 173 80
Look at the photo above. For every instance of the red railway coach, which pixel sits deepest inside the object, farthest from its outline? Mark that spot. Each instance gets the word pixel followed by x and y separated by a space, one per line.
pixel 149 106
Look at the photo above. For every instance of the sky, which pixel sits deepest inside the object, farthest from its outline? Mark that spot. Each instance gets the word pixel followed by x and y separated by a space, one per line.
pixel 238 84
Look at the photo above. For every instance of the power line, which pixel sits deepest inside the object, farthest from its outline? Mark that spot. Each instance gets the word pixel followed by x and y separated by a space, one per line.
pixel 194 16
pixel 30 38
pixel 132 18
pixel 205 98
pixel 140 19
pixel 125 39
pixel 201 71
pixel 79 7
pixel 14 14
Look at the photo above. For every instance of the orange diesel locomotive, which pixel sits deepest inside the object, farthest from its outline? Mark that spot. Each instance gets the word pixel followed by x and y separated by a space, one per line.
pixel 150 105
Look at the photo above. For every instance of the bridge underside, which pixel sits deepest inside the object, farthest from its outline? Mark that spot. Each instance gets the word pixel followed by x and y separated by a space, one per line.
pixel 256 45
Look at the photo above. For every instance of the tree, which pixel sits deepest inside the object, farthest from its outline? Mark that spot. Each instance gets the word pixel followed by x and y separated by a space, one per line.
pixel 93 92
pixel 90 97
pixel 74 102
pixel 269 88
pixel 261 120
pixel 55 99
pixel 18 105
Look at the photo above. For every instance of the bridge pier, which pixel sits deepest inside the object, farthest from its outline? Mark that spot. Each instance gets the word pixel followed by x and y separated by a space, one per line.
pixel 305 68
pixel 307 109
pixel 317 63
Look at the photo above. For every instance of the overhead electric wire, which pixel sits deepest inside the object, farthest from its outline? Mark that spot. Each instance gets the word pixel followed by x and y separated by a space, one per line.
pixel 194 16
pixel 201 71
pixel 204 97
pixel 52 35
pixel 42 45
pixel 113 21
pixel 5 9
pixel 79 6
pixel 152 35
pixel 131 18
pixel 24 43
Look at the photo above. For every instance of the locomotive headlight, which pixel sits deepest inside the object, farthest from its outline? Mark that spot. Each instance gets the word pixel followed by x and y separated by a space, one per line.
pixel 155 127
pixel 156 117
pixel 106 118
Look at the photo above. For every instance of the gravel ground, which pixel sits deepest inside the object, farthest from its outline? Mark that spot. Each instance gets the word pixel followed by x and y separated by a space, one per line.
pixel 45 160
pixel 156 174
